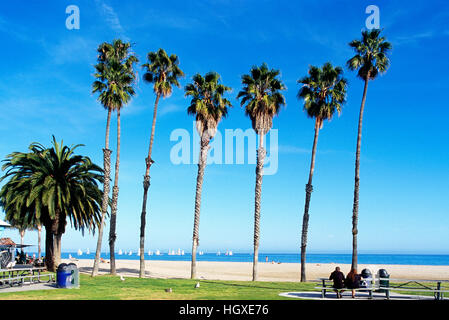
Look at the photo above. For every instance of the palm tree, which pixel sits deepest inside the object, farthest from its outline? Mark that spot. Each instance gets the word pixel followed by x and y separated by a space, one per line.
pixel 371 59
pixel 263 100
pixel 114 83
pixel 208 106
pixel 163 71
pixel 50 186
pixel 323 92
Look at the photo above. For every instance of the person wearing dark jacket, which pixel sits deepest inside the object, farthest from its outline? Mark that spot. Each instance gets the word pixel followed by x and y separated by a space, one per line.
pixel 353 281
pixel 339 279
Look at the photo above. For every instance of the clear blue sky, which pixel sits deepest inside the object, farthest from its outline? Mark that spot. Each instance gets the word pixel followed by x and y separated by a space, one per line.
pixel 45 89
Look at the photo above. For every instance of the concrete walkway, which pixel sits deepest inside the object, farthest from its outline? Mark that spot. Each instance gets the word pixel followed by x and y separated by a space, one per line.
pixel 316 295
pixel 29 287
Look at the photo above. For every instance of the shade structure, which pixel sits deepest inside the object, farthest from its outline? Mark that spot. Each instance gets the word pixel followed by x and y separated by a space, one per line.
pixel 4 224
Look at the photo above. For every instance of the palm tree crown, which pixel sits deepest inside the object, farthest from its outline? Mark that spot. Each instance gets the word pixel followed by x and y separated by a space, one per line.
pixel 261 97
pixel 115 75
pixel 371 55
pixel 163 71
pixel 208 103
pixel 323 92
pixel 46 184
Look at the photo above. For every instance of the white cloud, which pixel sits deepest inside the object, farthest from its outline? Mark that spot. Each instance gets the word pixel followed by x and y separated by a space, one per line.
pixel 111 18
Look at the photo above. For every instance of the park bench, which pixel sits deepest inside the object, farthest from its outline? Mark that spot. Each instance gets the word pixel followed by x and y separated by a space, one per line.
pixel 387 285
pixel 20 276
pixel 326 285
pixel 413 286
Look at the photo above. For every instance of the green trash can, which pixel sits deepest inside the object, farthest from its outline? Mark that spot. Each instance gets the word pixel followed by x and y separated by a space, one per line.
pixel 383 274
pixel 75 276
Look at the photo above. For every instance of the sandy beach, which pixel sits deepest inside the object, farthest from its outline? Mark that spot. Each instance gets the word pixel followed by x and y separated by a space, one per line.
pixel 242 271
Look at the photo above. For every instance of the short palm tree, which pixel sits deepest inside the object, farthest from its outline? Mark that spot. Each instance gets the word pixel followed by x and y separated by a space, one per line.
pixel 370 60
pixel 163 72
pixel 114 82
pixel 262 100
pixel 323 92
pixel 208 106
pixel 50 186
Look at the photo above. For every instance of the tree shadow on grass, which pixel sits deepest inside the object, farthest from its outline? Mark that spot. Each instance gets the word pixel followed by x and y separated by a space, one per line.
pixel 250 286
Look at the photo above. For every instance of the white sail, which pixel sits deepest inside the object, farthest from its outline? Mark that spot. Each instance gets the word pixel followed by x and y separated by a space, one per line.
pixel 80 252
pixel 158 253
pixel 230 253
pixel 130 252
pixel 87 251
pixel 120 252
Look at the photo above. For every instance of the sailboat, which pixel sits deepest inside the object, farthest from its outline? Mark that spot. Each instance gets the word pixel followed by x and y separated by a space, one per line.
pixel 158 253
pixel 150 253
pixel 130 252
pixel 120 252
pixel 218 253
pixel 80 252
pixel 87 251
pixel 230 253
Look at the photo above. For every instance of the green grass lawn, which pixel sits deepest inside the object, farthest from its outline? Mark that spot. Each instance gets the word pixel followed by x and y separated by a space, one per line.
pixel 107 287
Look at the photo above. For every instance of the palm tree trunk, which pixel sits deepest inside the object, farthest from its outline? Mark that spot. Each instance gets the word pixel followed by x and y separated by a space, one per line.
pixel 49 249
pixel 146 185
pixel 39 231
pixel 199 185
pixel 355 210
pixel 22 234
pixel 258 192
pixel 112 230
pixel 309 190
pixel 106 188
pixel 57 249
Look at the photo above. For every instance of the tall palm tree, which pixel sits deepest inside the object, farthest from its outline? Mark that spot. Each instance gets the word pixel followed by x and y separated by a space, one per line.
pixel 371 59
pixel 50 186
pixel 163 71
pixel 263 100
pixel 323 92
pixel 114 82
pixel 208 106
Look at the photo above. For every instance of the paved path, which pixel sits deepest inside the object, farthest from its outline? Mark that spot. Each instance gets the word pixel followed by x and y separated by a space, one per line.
pixel 29 287
pixel 316 295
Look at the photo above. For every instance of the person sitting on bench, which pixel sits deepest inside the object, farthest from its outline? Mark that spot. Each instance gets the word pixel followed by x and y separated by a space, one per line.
pixel 339 279
pixel 353 281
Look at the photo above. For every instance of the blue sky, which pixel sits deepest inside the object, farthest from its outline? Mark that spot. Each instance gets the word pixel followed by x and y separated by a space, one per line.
pixel 45 89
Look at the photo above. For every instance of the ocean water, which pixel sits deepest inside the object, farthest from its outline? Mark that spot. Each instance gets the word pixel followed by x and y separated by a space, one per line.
pixel 400 259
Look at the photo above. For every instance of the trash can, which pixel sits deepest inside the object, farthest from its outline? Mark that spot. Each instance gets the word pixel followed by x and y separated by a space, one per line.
pixel 75 276
pixel 367 279
pixel 383 276
pixel 63 276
